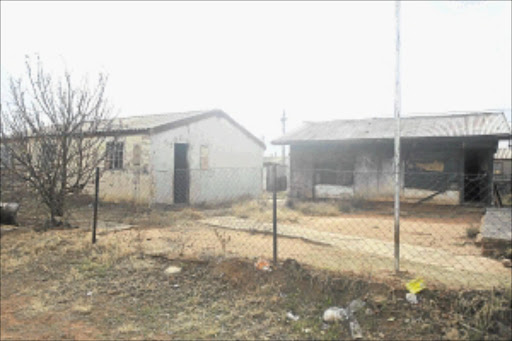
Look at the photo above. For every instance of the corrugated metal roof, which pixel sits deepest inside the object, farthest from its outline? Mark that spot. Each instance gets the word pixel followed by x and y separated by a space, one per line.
pixel 162 122
pixel 469 124
pixel 151 121
pixel 503 153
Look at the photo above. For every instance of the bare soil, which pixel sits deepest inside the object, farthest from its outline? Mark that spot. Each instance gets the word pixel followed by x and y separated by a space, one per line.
pixel 56 285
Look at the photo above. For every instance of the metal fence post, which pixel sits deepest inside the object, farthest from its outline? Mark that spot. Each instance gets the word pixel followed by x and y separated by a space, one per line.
pixel 274 211
pixel 95 216
pixel 397 140
pixel 313 181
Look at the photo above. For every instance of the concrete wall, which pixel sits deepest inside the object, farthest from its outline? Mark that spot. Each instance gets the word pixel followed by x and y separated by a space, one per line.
pixel 234 162
pixel 133 182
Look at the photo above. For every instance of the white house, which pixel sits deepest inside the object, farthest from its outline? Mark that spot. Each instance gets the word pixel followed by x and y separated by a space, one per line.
pixel 199 157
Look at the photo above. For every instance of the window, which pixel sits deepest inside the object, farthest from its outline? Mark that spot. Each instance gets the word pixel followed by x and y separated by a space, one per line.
pixel 5 157
pixel 498 168
pixel 331 173
pixel 204 157
pixel 114 157
pixel 47 156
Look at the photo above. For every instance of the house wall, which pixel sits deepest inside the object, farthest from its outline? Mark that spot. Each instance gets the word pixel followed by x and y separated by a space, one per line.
pixel 133 182
pixel 373 171
pixel 234 162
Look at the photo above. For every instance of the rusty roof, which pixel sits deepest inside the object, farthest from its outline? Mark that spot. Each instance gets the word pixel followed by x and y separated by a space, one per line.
pixel 503 153
pixel 459 125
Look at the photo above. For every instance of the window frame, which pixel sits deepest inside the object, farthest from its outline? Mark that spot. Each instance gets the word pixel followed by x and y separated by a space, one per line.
pixel 114 158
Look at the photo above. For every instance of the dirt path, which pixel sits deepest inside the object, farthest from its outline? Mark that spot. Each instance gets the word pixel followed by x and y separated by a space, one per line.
pixel 414 253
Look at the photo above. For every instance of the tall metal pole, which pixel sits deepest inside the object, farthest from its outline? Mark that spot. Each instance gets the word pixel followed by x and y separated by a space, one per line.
pixel 397 137
pixel 283 148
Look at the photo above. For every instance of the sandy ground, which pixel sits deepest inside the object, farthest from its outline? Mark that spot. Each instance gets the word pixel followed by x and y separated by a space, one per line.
pixel 364 245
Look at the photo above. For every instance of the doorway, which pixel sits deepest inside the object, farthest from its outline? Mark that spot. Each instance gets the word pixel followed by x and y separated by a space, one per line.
pixel 476 177
pixel 181 173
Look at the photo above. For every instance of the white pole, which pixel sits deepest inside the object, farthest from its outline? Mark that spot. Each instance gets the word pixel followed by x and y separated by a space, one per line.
pixel 397 138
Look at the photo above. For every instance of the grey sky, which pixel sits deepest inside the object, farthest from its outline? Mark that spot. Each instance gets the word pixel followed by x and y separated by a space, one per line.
pixel 318 61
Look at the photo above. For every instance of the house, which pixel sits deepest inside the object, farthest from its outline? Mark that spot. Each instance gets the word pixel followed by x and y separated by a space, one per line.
pixel 503 174
pixel 445 159
pixel 503 164
pixel 199 157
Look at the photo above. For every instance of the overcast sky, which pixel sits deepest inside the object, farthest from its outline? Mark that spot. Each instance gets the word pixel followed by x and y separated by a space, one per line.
pixel 319 61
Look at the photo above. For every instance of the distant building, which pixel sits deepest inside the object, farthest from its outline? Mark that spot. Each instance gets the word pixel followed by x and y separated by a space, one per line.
pixel 503 164
pixel 503 172
pixel 281 176
pixel 445 159
pixel 199 157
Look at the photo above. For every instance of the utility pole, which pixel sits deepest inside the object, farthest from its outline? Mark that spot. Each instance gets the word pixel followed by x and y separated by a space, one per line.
pixel 397 138
pixel 283 148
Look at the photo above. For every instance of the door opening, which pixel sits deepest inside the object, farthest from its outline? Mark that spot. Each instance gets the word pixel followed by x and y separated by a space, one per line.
pixel 475 177
pixel 181 173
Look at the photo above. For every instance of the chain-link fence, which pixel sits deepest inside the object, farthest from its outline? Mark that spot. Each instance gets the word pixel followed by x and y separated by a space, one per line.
pixel 455 229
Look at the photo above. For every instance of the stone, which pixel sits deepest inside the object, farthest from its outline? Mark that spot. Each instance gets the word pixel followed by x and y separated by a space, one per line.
pixel 411 298
pixel 478 239
pixel 507 263
pixel 334 314
pixel 172 270
pixel 8 213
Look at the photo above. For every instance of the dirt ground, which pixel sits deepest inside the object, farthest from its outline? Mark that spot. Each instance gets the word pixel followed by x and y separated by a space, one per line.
pixel 434 240
pixel 57 285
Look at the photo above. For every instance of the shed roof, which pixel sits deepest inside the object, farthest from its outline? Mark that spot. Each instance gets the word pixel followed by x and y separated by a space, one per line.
pixel 161 122
pixel 460 125
pixel 503 154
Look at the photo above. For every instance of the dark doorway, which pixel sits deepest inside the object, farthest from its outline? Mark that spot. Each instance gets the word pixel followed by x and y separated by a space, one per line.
pixel 476 177
pixel 181 173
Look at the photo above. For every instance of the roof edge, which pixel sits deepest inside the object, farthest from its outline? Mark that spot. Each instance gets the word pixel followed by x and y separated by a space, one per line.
pixel 203 116
pixel 280 142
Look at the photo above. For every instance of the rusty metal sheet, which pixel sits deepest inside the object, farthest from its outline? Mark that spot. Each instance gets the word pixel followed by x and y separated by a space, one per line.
pixel 455 125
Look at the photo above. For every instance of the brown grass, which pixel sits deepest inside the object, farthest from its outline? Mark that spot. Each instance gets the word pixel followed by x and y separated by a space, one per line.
pixel 45 297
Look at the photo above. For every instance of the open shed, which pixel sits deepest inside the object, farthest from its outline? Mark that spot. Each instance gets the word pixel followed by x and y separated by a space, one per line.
pixel 445 159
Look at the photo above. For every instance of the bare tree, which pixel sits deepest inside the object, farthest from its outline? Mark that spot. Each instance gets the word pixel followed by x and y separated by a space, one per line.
pixel 52 133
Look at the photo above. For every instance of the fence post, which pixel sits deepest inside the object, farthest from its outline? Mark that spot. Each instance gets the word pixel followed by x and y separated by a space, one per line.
pixel 95 217
pixel 397 139
pixel 274 210
pixel 313 181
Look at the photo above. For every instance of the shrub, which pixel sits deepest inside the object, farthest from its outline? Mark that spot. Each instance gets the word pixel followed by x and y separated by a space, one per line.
pixel 317 208
pixel 472 232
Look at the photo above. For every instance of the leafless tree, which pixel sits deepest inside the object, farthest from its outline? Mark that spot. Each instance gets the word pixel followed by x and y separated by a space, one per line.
pixel 52 133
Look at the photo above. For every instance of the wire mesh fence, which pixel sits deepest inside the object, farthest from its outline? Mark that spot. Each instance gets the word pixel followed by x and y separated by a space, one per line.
pixel 455 229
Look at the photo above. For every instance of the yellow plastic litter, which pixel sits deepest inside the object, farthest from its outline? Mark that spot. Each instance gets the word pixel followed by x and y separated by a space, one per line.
pixel 415 286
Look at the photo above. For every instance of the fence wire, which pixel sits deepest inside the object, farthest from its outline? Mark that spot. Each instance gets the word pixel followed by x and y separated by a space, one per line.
pixel 455 229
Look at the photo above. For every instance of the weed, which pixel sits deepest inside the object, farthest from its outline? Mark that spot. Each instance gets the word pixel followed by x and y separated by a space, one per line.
pixel 223 240
pixel 472 232
pixel 93 269
pixel 318 209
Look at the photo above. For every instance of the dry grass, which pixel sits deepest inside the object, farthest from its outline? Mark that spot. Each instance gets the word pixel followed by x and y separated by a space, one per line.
pixel 159 217
pixel 133 299
pixel 262 210
pixel 81 307
pixel 325 209
pixel 128 327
